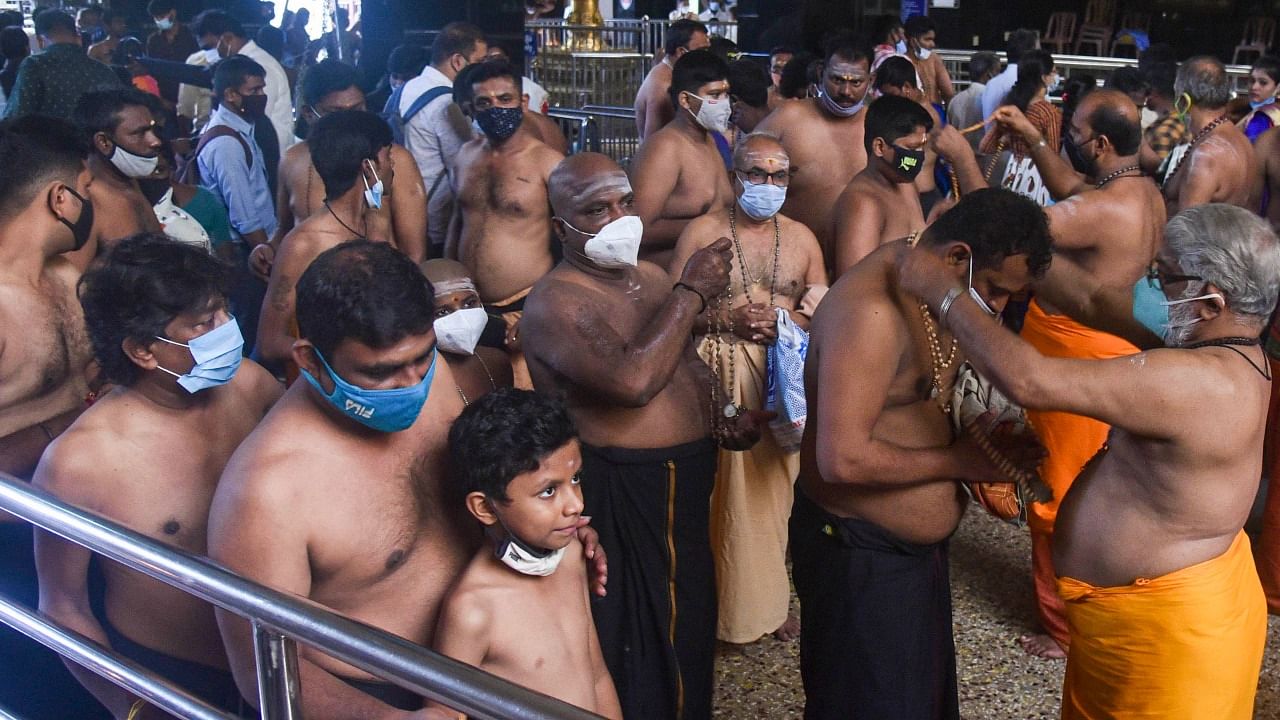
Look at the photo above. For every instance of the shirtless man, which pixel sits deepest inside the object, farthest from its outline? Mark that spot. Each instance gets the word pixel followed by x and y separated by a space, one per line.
pixel 352 157
pixel 327 87
pixel 125 148
pixel 678 173
pixel 1107 225
pixel 921 40
pixel 882 202
pixel 653 105
pixel 501 227
pixel 358 522
pixel 1167 616
pixel 614 337
pixel 460 321
pixel 779 265
pixel 877 496
pixel 181 371
pixel 1218 164
pixel 1267 183
pixel 823 138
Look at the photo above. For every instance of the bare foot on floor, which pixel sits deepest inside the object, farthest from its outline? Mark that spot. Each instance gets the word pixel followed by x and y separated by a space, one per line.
pixel 1042 646
pixel 789 630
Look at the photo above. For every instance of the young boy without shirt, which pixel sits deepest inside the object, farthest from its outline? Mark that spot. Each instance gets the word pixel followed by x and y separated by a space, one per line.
pixel 520 609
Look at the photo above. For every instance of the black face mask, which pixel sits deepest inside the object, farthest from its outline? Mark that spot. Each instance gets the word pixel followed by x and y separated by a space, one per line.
pixel 154 189
pixel 907 163
pixel 1082 164
pixel 83 226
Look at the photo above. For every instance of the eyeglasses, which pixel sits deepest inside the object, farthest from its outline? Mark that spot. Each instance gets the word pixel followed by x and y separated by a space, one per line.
pixel 755 176
pixel 1158 278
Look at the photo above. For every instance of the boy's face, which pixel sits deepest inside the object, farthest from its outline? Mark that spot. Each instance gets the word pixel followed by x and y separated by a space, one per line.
pixel 544 506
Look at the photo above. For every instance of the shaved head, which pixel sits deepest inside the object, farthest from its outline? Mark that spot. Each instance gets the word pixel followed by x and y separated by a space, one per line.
pixel 577 177
pixel 442 271
pixel 759 145
pixel 1111 113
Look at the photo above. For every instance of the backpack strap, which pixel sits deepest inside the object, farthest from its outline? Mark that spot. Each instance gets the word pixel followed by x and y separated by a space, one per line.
pixel 218 131
pixel 425 99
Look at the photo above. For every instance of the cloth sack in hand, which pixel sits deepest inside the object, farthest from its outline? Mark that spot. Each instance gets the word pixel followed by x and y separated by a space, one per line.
pixel 785 391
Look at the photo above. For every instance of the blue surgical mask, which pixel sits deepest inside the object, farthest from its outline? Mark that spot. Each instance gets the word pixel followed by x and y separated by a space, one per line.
pixel 164 24
pixel 382 410
pixel 217 354
pixel 1151 308
pixel 373 195
pixel 762 201
pixel 900 47
pixel 1262 104
pixel 974 293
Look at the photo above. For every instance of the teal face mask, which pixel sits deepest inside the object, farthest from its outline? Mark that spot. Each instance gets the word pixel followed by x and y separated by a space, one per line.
pixel 1149 306
pixel 382 410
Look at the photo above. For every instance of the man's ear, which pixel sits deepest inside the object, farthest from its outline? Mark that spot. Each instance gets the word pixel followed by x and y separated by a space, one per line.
pixel 306 357
pixel 481 507
pixel 878 146
pixel 958 254
pixel 102 143
pixel 1212 307
pixel 139 353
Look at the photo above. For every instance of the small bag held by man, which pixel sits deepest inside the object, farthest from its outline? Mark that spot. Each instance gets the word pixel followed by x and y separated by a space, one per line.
pixel 785 390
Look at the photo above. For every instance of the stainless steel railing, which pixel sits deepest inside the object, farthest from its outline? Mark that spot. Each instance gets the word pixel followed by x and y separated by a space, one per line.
pixel 278 621
pixel 957 62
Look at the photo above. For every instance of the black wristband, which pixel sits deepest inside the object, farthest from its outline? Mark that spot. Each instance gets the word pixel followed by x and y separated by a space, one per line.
pixel 691 289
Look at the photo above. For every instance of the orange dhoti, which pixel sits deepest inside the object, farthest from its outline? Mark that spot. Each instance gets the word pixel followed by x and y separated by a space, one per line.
pixel 1071 441
pixel 1186 645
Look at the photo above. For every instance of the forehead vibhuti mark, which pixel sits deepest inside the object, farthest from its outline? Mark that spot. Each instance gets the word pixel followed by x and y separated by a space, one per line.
pixel 600 185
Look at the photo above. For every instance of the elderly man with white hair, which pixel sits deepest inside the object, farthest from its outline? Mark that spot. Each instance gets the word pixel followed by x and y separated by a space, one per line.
pixel 1166 612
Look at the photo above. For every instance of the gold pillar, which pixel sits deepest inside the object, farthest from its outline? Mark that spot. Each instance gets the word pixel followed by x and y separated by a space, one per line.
pixel 586 12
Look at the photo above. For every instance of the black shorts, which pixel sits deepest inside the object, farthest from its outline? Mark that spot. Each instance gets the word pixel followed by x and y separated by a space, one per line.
pixel 657 625
pixel 875 631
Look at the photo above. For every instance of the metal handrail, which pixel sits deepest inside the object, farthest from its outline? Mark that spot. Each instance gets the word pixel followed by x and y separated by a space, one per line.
pixel 278 619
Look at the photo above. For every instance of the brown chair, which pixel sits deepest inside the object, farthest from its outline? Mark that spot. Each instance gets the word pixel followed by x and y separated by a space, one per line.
pixel 1099 17
pixel 1259 32
pixel 1125 42
pixel 1060 31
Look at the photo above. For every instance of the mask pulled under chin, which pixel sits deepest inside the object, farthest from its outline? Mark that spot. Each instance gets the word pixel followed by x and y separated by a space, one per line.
pixel 525 560
pixel 836 108
pixel 131 165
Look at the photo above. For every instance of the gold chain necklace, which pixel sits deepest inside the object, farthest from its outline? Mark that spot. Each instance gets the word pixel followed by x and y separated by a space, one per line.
pixel 940 362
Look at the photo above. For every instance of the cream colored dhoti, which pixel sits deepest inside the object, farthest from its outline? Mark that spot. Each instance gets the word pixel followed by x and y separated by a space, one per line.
pixel 749 510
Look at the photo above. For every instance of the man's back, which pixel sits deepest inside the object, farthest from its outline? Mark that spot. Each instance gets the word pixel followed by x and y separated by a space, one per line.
pixel 433 136
pixel 653 106
pixel 1220 168
pixel 52 82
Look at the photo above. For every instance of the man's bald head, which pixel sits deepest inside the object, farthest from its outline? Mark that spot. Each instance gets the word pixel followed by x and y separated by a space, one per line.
pixel 1204 79
pixel 578 176
pixel 440 271
pixel 1111 113
pixel 451 286
pixel 758 146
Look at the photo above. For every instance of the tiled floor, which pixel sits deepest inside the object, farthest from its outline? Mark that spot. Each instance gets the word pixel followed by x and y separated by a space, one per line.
pixel 991 588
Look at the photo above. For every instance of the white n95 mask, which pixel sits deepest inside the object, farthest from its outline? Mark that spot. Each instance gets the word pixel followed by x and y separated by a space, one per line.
pixel 459 331
pixel 617 245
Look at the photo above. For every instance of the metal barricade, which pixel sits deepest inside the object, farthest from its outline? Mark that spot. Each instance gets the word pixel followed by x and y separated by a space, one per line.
pixel 278 620
pixel 573 79
pixel 957 63
pixel 618 136
pixel 579 128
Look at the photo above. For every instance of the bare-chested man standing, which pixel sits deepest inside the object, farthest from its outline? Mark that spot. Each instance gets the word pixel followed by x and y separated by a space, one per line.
pixel 1167 616
pixel 678 173
pixel 1217 164
pixel 501 227
pixel 823 138
pixel 327 87
pixel 653 105
pixel 1107 225
pixel 357 522
pixel 613 336
pixel 125 148
pixel 148 455
pixel 44 213
pixel 351 153
pixel 778 264
pixel 922 39
pixel 877 496
pixel 882 202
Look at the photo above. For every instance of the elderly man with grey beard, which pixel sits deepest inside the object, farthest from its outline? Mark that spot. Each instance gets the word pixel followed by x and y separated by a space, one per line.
pixel 1166 612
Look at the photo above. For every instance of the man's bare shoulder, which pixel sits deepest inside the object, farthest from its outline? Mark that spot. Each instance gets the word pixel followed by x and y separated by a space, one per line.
pixel 297 154
pixel 255 385
pixel 864 289
pixel 796 232
pixel 84 465
pixel 790 111
pixel 706 229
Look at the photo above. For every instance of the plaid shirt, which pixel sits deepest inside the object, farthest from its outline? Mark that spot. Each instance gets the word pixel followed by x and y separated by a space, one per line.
pixel 1166 134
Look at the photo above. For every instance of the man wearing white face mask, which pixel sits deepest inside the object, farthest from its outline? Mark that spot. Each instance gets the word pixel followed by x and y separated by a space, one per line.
pixel 183 400
pixel 460 321
pixel 678 173
pixel 1164 606
pixel 351 152
pixel 777 264
pixel 921 42
pixel 612 334
pixel 126 149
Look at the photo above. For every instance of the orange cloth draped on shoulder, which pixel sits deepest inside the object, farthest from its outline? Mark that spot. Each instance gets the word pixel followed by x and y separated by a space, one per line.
pixel 1183 646
pixel 1071 441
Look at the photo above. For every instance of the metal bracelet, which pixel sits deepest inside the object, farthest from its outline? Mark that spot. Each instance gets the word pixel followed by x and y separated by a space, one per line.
pixel 945 306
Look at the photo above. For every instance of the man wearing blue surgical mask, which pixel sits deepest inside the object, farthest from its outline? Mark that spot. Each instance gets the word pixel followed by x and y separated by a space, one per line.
pixel 613 334
pixel 172 41
pixel 358 519
pixel 777 266
pixel 501 226
pixel 351 153
pixel 148 455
